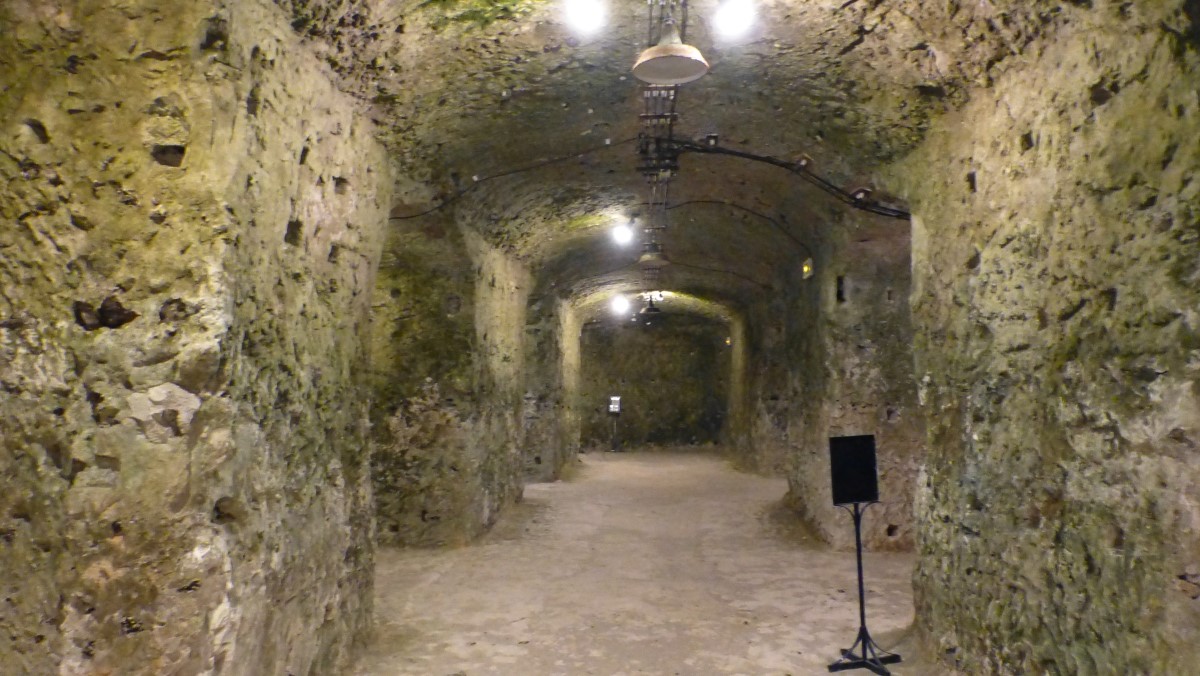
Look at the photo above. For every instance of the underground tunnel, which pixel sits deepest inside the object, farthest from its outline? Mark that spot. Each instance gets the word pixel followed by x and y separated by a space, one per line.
pixel 311 310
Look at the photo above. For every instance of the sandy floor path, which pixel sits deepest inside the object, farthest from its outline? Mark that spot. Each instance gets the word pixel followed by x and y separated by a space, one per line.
pixel 642 563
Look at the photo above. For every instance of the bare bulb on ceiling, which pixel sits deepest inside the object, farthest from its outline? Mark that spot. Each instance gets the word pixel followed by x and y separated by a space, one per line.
pixel 620 305
pixel 622 234
pixel 585 17
pixel 734 18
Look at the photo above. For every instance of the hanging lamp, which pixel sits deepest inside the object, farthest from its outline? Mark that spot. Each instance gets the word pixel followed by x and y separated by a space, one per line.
pixel 652 256
pixel 670 62
pixel 651 308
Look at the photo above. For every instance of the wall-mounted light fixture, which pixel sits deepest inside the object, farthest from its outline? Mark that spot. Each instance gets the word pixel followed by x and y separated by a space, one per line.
pixel 806 268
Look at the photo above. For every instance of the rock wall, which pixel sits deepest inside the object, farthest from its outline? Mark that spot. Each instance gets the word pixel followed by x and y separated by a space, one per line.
pixel 448 353
pixel 851 374
pixel 831 356
pixel 502 287
pixel 1057 268
pixel 672 376
pixel 735 434
pixel 570 331
pixel 422 314
pixel 192 216
pixel 422 383
pixel 769 359
pixel 549 430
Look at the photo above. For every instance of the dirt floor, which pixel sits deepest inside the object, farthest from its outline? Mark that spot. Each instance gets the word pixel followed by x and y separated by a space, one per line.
pixel 640 563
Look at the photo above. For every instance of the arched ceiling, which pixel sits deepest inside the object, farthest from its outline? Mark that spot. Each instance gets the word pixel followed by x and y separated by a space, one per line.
pixel 726 236
pixel 461 80
pixel 498 98
pixel 594 306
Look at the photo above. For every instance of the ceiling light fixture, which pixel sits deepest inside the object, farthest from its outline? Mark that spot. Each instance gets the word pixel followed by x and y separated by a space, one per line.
pixel 585 16
pixel 670 62
pixel 653 256
pixel 620 305
pixel 734 18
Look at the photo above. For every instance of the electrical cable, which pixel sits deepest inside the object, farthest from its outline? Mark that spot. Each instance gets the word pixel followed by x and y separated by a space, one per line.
pixel 800 170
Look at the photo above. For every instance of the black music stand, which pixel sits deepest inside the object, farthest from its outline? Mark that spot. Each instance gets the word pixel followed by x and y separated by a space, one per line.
pixel 855 483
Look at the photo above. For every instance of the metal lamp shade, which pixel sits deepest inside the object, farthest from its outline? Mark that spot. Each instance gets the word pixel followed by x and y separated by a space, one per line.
pixel 652 256
pixel 670 62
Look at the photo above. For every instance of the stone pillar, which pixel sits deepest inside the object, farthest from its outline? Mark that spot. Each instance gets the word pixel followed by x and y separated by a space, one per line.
pixel 193 215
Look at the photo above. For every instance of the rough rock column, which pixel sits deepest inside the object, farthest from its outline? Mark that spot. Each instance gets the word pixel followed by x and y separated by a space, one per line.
pixel 191 225
pixel 1056 268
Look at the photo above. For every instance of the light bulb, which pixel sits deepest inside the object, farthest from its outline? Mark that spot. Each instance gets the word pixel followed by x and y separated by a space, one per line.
pixel 734 18
pixel 622 234
pixel 620 305
pixel 585 16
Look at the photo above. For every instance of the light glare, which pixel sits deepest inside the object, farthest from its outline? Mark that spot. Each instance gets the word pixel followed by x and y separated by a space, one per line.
pixel 585 16
pixel 620 305
pixel 622 234
pixel 734 18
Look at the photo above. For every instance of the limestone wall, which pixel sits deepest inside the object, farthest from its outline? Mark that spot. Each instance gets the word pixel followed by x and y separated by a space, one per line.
pixel 570 331
pixel 855 378
pixel 549 431
pixel 736 433
pixel 832 357
pixel 672 376
pixel 1056 264
pixel 502 287
pixel 422 314
pixel 448 360
pixel 191 220
pixel 422 383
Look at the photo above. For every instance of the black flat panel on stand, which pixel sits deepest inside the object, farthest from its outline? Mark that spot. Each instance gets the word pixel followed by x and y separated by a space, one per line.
pixel 852 467
pixel 856 487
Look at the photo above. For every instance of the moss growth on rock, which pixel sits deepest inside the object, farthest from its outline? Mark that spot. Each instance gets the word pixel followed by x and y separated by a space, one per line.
pixel 475 13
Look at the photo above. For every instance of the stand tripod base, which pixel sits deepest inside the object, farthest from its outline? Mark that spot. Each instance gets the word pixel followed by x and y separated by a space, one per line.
pixel 872 657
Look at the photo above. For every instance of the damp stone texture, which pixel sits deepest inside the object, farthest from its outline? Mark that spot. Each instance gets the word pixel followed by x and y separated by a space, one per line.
pixel 549 429
pixel 422 384
pixel 1056 301
pixel 837 363
pixel 191 216
pixel 865 384
pixel 672 376
pixel 448 346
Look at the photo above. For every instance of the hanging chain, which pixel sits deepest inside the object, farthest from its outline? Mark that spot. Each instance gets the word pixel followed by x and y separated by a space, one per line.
pixel 657 151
